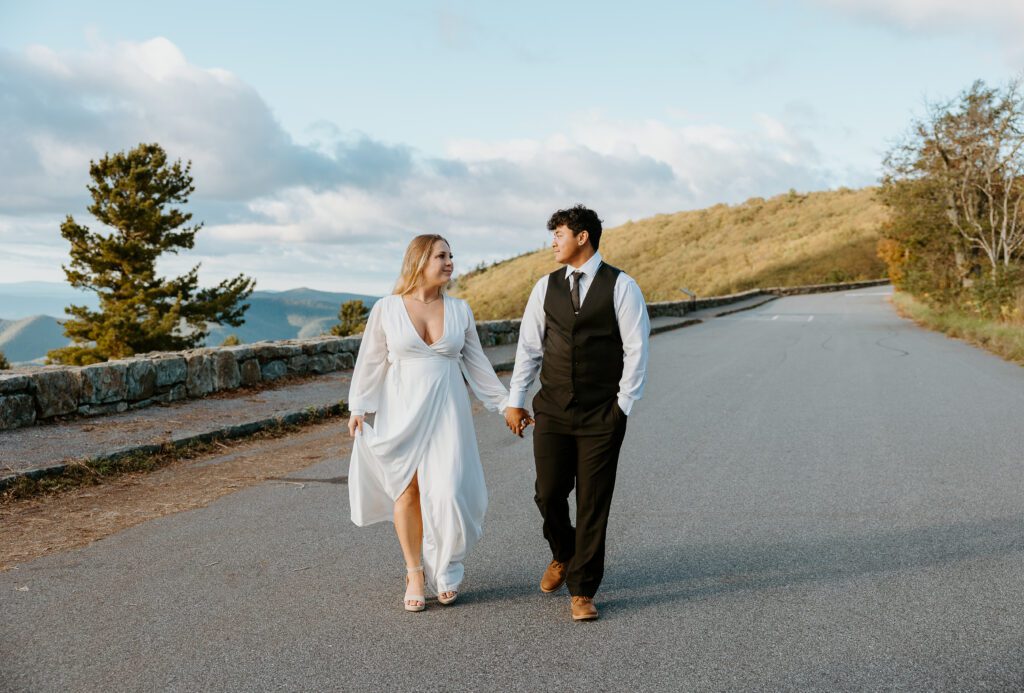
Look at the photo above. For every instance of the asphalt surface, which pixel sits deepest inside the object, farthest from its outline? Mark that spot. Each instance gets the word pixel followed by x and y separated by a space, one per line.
pixel 812 495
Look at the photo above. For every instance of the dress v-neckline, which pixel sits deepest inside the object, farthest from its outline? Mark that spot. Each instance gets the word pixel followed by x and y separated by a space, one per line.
pixel 444 322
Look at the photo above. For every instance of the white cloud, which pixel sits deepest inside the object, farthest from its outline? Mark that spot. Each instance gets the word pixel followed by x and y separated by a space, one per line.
pixel 998 15
pixel 336 213
pixel 1001 20
pixel 62 110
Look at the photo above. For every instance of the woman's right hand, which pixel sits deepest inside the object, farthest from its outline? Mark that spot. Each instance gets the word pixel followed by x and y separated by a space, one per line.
pixel 355 423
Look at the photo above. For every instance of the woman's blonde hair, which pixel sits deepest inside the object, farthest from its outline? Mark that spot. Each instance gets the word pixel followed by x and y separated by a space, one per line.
pixel 417 255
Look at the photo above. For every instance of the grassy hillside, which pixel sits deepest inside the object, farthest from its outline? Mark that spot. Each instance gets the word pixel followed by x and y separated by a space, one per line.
pixel 786 240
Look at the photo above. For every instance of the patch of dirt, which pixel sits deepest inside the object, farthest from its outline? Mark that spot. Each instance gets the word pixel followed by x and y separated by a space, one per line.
pixel 40 526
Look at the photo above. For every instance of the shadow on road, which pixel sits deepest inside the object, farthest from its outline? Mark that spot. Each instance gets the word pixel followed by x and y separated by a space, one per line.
pixel 686 572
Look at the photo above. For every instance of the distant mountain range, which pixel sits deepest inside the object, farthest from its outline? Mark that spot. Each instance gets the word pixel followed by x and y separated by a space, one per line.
pixel 31 315
pixel 29 339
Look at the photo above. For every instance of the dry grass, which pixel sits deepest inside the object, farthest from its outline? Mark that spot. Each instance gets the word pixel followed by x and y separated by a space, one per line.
pixel 1001 338
pixel 787 240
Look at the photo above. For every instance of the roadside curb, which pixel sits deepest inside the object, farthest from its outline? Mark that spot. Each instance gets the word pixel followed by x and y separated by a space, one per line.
pixel 242 430
pixel 740 310
pixel 675 326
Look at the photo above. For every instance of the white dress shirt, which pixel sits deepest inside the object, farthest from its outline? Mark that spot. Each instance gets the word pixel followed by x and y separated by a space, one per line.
pixel 634 330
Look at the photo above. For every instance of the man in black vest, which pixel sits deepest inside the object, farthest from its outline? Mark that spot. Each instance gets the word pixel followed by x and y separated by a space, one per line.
pixel 585 329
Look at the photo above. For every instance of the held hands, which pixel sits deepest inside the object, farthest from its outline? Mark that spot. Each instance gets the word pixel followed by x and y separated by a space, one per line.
pixel 355 423
pixel 517 420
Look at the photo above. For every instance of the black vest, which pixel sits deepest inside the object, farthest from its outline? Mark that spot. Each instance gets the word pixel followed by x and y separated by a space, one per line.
pixel 582 353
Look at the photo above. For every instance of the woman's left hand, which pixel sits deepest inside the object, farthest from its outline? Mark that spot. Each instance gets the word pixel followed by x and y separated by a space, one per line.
pixel 355 423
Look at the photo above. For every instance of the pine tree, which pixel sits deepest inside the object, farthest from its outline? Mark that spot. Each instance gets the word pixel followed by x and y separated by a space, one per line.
pixel 4 363
pixel 353 319
pixel 138 196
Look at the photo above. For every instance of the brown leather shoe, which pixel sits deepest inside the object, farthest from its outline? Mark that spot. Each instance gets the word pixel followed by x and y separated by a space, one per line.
pixel 583 609
pixel 554 576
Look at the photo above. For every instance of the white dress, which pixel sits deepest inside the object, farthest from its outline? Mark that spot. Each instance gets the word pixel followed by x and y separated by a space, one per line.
pixel 424 425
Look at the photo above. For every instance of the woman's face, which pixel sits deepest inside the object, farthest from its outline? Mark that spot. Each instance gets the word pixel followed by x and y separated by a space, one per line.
pixel 440 266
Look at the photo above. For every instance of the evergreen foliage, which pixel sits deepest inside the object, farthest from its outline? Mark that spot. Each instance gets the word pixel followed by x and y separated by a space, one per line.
pixel 231 340
pixel 137 196
pixel 4 363
pixel 352 317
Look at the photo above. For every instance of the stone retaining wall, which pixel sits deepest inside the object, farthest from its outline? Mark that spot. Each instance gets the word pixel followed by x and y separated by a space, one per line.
pixel 681 308
pixel 31 396
pixel 663 309
pixel 116 386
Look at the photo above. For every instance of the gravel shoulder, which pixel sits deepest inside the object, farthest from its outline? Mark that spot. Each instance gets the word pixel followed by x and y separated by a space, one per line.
pixel 51 524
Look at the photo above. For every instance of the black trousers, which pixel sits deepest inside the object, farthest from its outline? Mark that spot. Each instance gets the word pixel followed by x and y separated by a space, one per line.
pixel 586 458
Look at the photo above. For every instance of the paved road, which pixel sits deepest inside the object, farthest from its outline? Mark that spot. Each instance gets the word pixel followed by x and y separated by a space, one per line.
pixel 813 495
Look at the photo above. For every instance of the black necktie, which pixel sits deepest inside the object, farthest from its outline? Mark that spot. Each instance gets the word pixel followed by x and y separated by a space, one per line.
pixel 574 292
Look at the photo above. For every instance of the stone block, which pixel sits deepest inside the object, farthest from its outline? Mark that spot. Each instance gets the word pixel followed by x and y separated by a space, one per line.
pixel 273 370
pixel 171 369
pixel 310 346
pixel 249 372
pixel 177 392
pixel 344 361
pixel 298 364
pixel 101 409
pixel 330 345
pixel 141 380
pixel 483 331
pixel 350 344
pixel 321 363
pixel 327 344
pixel 103 382
pixel 17 410
pixel 14 382
pixel 241 352
pixel 201 374
pixel 264 351
pixel 287 350
pixel 225 370
pixel 273 351
pixel 57 391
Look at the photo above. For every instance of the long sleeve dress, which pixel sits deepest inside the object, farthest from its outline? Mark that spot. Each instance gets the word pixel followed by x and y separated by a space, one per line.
pixel 424 425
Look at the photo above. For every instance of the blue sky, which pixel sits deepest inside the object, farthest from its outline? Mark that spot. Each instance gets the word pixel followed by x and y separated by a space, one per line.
pixel 325 135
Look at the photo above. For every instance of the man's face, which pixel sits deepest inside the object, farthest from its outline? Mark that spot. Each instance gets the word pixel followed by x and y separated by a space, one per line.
pixel 567 246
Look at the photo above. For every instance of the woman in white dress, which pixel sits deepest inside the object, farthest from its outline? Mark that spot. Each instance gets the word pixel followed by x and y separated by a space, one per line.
pixel 418 464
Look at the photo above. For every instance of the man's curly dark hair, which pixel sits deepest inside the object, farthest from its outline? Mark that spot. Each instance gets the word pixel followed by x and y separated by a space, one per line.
pixel 578 219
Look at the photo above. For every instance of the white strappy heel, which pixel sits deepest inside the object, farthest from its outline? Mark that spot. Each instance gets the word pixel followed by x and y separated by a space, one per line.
pixel 449 600
pixel 419 601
